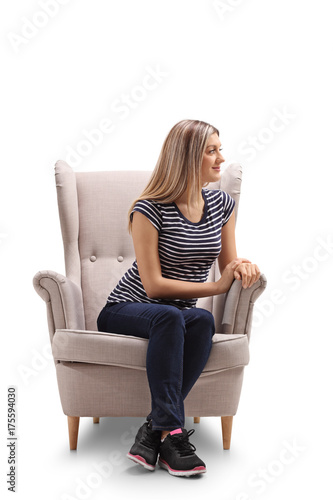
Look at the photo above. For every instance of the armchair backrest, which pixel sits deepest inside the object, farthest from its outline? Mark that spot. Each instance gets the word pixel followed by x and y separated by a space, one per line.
pixel 98 249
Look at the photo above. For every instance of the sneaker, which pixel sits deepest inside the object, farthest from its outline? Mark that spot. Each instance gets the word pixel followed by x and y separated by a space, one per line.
pixel 177 454
pixel 146 447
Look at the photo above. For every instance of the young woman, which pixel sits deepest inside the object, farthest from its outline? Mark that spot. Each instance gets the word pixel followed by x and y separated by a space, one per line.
pixel 179 229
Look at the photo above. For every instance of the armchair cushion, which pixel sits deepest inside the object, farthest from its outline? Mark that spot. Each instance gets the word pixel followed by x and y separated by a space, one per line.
pixel 84 346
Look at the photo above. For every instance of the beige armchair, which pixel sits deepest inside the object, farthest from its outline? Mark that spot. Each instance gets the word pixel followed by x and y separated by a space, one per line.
pixel 102 374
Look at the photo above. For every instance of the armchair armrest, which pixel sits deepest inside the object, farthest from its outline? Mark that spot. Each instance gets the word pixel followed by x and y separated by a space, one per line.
pixel 64 302
pixel 238 308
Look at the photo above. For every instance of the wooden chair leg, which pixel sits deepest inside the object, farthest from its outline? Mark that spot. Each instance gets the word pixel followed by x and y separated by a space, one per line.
pixel 96 420
pixel 226 431
pixel 73 430
pixel 197 420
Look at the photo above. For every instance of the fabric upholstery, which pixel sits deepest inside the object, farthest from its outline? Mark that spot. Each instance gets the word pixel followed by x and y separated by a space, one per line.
pixel 84 346
pixel 102 374
pixel 88 390
pixel 239 304
pixel 68 208
pixel 65 298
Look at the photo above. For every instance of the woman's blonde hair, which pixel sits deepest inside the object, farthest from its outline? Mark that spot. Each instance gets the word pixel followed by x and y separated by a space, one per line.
pixel 178 167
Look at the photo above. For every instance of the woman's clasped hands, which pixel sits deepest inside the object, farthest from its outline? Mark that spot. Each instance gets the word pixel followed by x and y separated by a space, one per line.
pixel 246 271
pixel 239 269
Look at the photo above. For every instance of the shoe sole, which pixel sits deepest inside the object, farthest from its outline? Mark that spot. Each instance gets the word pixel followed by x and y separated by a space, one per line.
pixel 141 461
pixel 174 472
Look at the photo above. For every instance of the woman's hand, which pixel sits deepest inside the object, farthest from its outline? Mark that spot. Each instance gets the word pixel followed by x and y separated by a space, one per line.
pixel 228 274
pixel 247 272
pixel 239 269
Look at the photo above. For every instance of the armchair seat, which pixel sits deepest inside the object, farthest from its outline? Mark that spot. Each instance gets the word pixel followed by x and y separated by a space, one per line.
pixel 84 346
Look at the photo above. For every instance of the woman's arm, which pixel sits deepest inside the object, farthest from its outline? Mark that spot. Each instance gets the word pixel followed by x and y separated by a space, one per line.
pixel 228 251
pixel 246 271
pixel 145 240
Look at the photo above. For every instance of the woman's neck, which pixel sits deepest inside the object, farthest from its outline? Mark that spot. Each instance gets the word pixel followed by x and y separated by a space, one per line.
pixel 194 203
pixel 194 211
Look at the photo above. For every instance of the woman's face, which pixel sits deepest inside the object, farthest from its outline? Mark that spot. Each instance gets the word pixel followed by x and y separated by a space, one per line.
pixel 212 159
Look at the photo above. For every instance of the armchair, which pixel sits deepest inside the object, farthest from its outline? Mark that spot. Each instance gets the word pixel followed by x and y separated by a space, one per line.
pixel 101 374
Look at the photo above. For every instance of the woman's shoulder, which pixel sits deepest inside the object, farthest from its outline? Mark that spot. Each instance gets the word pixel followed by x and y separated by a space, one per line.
pixel 146 202
pixel 218 199
pixel 216 194
pixel 154 205
pixel 213 195
pixel 149 208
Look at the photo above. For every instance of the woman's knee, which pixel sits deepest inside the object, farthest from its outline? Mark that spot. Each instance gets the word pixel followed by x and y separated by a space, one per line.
pixel 204 320
pixel 101 321
pixel 169 326
pixel 169 315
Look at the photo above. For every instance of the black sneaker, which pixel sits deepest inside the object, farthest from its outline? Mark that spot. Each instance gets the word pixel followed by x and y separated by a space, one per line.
pixel 177 454
pixel 146 447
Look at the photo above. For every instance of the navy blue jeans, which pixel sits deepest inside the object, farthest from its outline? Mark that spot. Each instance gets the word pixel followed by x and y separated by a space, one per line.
pixel 179 344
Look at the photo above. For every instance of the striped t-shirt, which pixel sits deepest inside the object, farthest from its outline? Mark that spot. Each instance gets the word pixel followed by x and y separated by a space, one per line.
pixel 187 249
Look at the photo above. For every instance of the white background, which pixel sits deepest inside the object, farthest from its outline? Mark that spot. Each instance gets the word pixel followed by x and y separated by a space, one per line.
pixel 237 66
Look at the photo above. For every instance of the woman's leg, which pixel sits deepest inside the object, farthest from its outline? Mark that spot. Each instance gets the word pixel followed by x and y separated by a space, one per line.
pixel 200 328
pixel 164 326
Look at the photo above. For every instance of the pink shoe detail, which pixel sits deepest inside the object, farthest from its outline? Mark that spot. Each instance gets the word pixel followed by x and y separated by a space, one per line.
pixel 176 431
pixel 140 460
pixel 191 472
